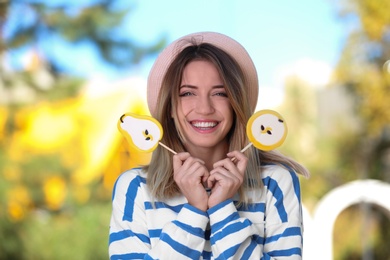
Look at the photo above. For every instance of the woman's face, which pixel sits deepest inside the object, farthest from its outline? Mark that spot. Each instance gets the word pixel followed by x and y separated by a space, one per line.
pixel 204 111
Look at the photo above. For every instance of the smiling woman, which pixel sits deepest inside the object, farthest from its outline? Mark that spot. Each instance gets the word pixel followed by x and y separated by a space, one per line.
pixel 204 113
pixel 191 204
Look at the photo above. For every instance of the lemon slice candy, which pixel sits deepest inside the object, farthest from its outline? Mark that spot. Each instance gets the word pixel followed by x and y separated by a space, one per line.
pixel 266 129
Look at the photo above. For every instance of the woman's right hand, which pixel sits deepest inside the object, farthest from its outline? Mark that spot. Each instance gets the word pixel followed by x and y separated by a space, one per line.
pixel 189 174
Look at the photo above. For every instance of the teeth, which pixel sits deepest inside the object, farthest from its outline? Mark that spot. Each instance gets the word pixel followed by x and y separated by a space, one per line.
pixel 204 124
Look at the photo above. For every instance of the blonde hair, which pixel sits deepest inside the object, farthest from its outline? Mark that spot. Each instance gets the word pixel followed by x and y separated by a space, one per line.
pixel 160 170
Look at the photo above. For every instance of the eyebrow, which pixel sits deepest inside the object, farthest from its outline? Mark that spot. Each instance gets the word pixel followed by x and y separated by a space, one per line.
pixel 195 87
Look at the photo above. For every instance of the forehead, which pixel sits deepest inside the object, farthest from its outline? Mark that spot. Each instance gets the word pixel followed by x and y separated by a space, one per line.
pixel 201 74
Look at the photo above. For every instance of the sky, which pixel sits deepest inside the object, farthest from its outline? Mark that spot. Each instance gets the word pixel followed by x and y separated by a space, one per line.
pixel 282 36
pixel 275 33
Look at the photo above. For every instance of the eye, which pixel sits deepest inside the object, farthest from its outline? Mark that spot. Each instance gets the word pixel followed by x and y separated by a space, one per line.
pixel 221 94
pixel 185 94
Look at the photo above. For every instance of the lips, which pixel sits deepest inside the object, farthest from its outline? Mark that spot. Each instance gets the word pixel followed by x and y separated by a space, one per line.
pixel 204 125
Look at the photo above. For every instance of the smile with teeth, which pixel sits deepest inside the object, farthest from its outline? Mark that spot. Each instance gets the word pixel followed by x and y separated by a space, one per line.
pixel 204 125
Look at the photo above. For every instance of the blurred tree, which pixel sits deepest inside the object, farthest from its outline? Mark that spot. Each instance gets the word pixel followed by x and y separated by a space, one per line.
pixel 69 24
pixel 36 188
pixel 363 71
pixel 323 138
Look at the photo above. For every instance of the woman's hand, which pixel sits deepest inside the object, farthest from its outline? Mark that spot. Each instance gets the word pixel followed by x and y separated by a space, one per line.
pixel 226 177
pixel 189 174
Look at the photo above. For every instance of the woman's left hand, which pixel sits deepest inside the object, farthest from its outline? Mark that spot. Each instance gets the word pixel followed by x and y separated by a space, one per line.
pixel 226 177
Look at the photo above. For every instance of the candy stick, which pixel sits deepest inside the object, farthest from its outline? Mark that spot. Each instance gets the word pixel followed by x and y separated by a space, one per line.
pixel 243 150
pixel 166 147
pixel 246 147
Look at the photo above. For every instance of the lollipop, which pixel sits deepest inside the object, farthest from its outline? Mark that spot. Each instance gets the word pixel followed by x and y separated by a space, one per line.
pixel 142 132
pixel 266 130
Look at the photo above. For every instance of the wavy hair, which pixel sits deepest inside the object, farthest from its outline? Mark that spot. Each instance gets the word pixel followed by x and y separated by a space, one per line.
pixel 160 170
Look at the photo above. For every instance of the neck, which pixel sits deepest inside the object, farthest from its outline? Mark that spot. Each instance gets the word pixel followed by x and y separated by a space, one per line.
pixel 209 155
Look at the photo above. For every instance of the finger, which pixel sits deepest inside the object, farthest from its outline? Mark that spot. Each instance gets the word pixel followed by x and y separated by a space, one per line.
pixel 191 176
pixel 205 178
pixel 178 160
pixel 192 161
pixel 211 181
pixel 196 170
pixel 192 170
pixel 228 165
pixel 184 160
pixel 220 173
pixel 226 174
pixel 241 161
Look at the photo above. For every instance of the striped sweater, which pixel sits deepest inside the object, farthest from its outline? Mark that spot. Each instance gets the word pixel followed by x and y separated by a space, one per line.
pixel 270 227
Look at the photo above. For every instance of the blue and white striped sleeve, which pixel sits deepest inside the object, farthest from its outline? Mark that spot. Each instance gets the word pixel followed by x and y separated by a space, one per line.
pixel 128 230
pixel 180 238
pixel 284 224
pixel 277 236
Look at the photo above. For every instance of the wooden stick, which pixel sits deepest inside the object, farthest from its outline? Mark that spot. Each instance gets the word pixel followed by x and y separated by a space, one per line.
pixel 166 147
pixel 243 150
pixel 246 147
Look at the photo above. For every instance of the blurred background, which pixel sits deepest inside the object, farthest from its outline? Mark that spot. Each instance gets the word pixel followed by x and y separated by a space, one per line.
pixel 70 69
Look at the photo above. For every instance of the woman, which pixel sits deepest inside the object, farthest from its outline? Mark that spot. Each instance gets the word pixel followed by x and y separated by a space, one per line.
pixel 209 201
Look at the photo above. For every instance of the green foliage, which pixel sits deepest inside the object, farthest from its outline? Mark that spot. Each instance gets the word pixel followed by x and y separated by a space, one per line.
pixel 80 233
pixel 361 68
pixel 75 233
pixel 11 246
pixel 71 23
pixel 336 154
pixel 363 73
pixel 357 145
pixel 43 214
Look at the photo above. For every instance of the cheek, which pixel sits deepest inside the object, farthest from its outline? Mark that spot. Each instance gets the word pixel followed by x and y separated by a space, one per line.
pixel 229 116
pixel 184 108
pixel 228 111
pixel 180 112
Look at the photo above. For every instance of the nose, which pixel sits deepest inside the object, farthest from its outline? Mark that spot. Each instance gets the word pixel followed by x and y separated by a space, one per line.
pixel 205 105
